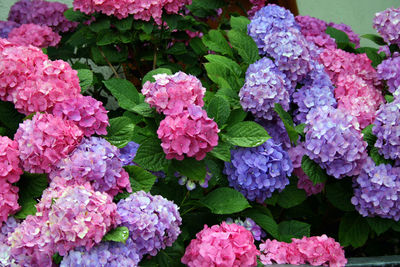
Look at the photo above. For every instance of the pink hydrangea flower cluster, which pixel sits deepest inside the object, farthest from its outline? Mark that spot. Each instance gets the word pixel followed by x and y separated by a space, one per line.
pixel 315 250
pixel 33 34
pixel 171 94
pixel 191 133
pixel 143 10
pixel 44 140
pixel 257 5
pixel 222 245
pixel 86 112
pixel 313 30
pixel 66 218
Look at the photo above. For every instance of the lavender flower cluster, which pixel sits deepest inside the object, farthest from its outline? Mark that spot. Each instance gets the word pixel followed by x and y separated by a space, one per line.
pixel 257 232
pixel 128 153
pixel 6 27
pixel 389 70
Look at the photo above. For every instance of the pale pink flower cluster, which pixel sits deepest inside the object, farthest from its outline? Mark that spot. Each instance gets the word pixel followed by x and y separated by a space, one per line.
pixel 190 132
pixel 141 9
pixel 33 34
pixel 44 140
pixel 171 94
pixel 315 250
pixel 220 246
pixel 86 112
pixel 357 86
pixel 66 218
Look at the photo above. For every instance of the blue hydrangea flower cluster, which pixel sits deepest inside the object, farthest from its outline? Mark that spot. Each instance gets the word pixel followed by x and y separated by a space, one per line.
pixel 153 221
pixel 377 190
pixel 43 13
pixel 389 70
pixel 259 171
pixel 387 129
pixel 128 153
pixel 249 224
pixel 317 91
pixel 264 86
pixel 276 129
pixel 333 140
pixel 6 27
pixel 105 254
pixel 191 185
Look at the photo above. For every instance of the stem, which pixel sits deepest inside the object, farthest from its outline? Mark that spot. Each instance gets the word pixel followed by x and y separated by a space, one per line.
pixel 108 62
pixel 155 58
pixel 189 210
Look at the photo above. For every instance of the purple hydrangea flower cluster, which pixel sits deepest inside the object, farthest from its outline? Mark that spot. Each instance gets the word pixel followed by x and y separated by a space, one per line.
pixel 105 254
pixel 128 153
pixel 96 161
pixel 264 86
pixel 387 129
pixel 389 70
pixel 333 140
pixel 7 227
pixel 259 171
pixel 43 13
pixel 313 29
pixel 376 191
pixel 6 27
pixel 276 129
pixel 249 224
pixel 387 23
pixel 316 92
pixel 153 221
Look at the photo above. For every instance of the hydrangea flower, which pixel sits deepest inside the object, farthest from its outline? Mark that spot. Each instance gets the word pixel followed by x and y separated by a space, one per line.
pixel 268 20
pixel 8 227
pixel 191 185
pixel 315 250
pixel 259 171
pixel 10 169
pixel 44 140
pixel 171 94
pixel 333 140
pixel 387 130
pixel 128 153
pixel 33 34
pixel 191 133
pixel 264 86
pixel 389 70
pixel 8 200
pixel 387 23
pixel 153 222
pixel 313 30
pixel 105 254
pixel 43 13
pixel 376 191
pixel 142 10
pixel 276 129
pixel 6 27
pixel 250 225
pixel 96 161
pixel 220 246
pixel 86 112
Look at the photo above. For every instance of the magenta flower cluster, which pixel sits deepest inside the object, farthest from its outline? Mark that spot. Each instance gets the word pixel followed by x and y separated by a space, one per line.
pixel 313 30
pixel 222 245
pixel 33 34
pixel 315 250
pixel 387 23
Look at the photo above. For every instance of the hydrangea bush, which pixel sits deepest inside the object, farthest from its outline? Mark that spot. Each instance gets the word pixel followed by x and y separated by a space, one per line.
pixel 112 112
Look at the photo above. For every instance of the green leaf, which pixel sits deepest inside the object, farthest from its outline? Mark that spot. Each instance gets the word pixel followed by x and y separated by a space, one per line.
pixel 205 8
pixel 85 78
pixel 245 45
pixel 378 158
pixel 107 37
pixel 264 221
pixel 246 134
pixel 9 116
pixel 313 170
pixel 198 47
pixel 293 229
pixel 300 129
pixel 237 115
pixel 123 24
pixel 193 169
pixel 368 136
pixel 219 110
pixel 288 122
pixel 57 258
pixel 374 38
pixel 216 41
pixel 140 178
pixel 372 54
pixel 120 131
pixel 111 53
pixel 240 23
pixel 338 35
pixel 150 155
pixel 124 91
pixel 81 37
pixel 225 200
pixel 77 16
pixel 291 196
pixel 379 225
pixel 100 25
pixel 227 63
pixel 144 109
pixel 340 196
pixel 353 230
pixel 177 49
pixel 119 234
pixel 149 76
pixel 222 151
pixel 389 98
pixel 27 207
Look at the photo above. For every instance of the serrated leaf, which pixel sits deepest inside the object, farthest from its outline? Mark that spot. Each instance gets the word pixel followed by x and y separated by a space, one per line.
pixel 205 8
pixel 120 131
pixel 216 41
pixel 338 35
pixel 240 23
pixel 123 24
pixel 177 49
pixel 193 169
pixel 151 156
pixel 143 109
pixel 264 221
pixel 340 196
pixel 372 54
pixel 246 134
pixel 378 158
pixel 140 178
pixel 107 37
pixel 219 110
pixel 313 170
pixel 119 234
pixel 374 38
pixel 9 116
pixel 237 115
pixel 222 151
pixel 81 37
pixel 291 196
pixel 288 123
pixel 222 76
pixel 217 201
pixel 226 62
pixel 353 230
pixel 380 225
pixel 111 53
pixel 293 229
pixel 368 136
pixel 27 208
pixel 389 98
pixel 245 45
pixel 100 25
pixel 198 47
pixel 124 91
pixel 149 76
pixel 85 78
pixel 300 129
pixel 77 16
